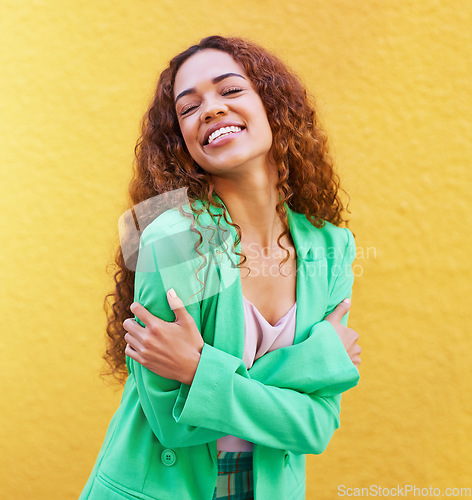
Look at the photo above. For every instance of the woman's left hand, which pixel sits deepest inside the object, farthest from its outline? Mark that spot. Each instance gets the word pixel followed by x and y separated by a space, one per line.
pixel 170 349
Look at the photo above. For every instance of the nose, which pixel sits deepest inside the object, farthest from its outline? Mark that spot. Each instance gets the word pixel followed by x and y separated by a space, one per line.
pixel 212 110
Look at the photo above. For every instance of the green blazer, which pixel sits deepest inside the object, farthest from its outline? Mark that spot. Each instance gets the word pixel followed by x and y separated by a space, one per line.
pixel 161 442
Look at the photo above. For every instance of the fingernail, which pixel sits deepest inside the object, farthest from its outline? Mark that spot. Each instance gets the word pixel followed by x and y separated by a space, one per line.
pixel 347 301
pixel 172 293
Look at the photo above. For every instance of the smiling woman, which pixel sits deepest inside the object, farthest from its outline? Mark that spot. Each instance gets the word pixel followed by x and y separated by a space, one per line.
pixel 232 377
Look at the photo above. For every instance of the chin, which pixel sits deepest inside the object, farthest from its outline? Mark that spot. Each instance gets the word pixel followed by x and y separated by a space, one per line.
pixel 225 164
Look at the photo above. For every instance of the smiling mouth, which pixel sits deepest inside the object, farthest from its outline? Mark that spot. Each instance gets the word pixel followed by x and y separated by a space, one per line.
pixel 223 132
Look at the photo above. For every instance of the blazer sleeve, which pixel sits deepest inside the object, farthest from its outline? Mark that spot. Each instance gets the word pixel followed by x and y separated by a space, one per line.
pixel 160 251
pixel 289 408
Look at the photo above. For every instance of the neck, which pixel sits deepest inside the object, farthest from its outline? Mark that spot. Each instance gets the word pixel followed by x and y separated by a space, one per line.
pixel 251 200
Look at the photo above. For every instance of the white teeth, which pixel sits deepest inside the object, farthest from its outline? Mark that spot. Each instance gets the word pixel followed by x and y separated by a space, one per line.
pixel 223 131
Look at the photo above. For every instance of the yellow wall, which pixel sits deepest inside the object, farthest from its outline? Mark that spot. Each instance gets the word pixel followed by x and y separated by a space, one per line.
pixel 393 84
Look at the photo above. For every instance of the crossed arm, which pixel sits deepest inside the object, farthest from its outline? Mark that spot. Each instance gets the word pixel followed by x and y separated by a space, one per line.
pixel 193 393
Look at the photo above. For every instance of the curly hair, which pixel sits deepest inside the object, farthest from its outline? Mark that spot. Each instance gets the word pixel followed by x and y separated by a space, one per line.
pixel 307 181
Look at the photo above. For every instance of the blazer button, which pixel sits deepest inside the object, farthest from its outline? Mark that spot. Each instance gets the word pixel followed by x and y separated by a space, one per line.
pixel 168 457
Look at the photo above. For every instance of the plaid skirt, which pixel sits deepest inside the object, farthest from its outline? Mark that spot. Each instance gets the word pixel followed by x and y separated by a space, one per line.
pixel 234 480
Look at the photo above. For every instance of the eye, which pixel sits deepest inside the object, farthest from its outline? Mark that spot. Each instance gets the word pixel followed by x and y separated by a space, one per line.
pixel 186 109
pixel 231 90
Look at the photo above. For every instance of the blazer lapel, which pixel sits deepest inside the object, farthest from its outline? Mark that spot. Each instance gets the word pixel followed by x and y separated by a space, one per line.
pixel 222 310
pixel 312 282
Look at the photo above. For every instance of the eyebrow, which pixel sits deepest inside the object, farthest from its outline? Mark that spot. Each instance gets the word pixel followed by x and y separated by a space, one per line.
pixel 217 79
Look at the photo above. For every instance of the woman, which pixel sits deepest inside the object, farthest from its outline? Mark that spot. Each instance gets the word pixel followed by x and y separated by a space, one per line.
pixel 235 371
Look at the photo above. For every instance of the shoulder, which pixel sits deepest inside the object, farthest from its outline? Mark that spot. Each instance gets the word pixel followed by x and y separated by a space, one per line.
pixel 327 241
pixel 336 236
pixel 339 241
pixel 170 222
pixel 183 228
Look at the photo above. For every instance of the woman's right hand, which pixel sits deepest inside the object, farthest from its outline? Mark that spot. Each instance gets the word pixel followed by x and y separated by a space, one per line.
pixel 348 336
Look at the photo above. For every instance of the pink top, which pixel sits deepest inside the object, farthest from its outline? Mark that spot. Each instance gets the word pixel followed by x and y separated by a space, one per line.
pixel 261 337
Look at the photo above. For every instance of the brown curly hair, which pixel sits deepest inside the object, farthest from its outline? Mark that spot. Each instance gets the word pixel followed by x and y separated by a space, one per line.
pixel 307 181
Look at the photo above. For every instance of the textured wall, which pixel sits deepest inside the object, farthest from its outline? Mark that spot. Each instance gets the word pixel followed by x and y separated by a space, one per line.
pixel 392 80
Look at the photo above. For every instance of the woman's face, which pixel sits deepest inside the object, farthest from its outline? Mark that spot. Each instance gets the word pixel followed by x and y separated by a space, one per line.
pixel 221 116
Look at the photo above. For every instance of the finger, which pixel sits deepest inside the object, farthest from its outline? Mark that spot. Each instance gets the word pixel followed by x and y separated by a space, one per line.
pixel 143 314
pixel 176 305
pixel 341 309
pixel 130 325
pixel 132 342
pixel 130 352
